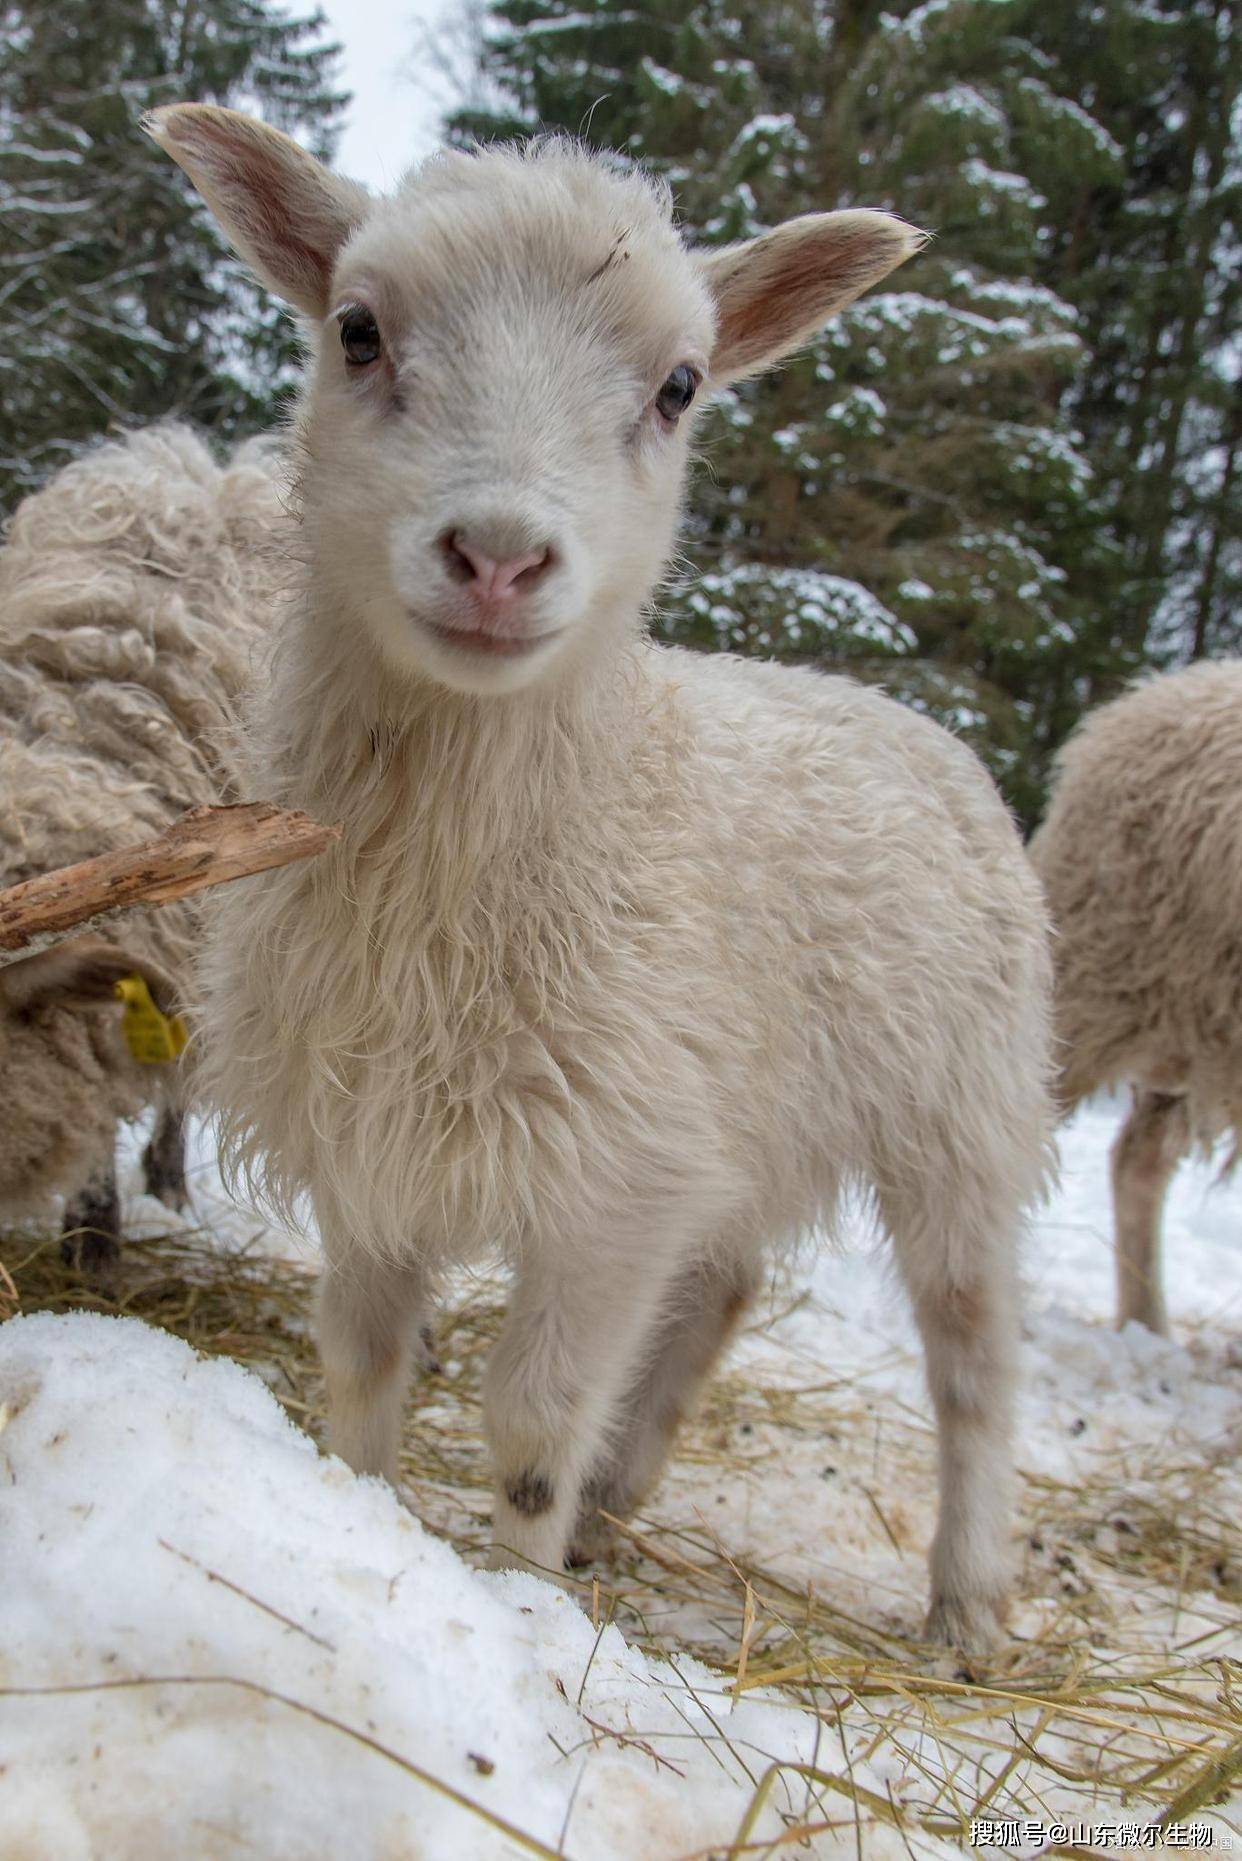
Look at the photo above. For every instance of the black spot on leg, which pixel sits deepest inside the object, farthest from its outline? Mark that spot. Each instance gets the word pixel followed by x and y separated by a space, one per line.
pixel 530 1494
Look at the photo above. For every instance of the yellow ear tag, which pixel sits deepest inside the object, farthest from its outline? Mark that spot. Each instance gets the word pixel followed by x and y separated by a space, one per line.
pixel 151 1036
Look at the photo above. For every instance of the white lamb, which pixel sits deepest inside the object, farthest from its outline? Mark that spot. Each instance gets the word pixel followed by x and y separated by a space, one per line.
pixel 627 960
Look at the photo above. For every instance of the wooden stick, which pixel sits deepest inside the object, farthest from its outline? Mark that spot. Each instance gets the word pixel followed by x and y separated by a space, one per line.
pixel 206 846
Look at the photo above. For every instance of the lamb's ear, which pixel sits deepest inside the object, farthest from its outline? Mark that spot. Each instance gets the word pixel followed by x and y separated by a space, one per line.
pixel 773 293
pixel 80 973
pixel 280 209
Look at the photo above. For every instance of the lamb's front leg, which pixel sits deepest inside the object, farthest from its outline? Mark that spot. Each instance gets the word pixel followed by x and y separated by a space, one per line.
pixel 579 1322
pixel 369 1314
pixel 970 1339
pixel 958 1259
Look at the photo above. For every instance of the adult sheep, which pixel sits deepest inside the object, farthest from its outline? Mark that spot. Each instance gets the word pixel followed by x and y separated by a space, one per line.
pixel 627 959
pixel 1140 855
pixel 134 588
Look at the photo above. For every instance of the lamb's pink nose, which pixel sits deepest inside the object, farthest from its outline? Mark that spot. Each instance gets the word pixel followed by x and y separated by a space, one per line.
pixel 491 579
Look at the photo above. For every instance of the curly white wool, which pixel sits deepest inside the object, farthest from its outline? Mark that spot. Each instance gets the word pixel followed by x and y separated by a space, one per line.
pixel 1140 855
pixel 134 588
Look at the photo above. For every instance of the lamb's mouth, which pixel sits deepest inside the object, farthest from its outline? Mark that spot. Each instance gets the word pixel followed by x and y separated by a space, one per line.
pixel 498 645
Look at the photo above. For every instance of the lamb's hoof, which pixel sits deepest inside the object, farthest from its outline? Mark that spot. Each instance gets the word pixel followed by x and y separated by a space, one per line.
pixel 592 1540
pixel 165 1180
pixel 175 1198
pixel 95 1255
pixel 500 1557
pixel 973 1624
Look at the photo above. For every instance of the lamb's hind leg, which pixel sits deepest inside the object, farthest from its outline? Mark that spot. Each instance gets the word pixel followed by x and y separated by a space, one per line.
pixel 369 1314
pixel 91 1230
pixel 163 1159
pixel 957 1254
pixel 702 1313
pixel 1148 1148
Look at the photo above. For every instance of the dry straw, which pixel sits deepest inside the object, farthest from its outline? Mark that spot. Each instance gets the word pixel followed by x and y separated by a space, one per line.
pixel 1079 1722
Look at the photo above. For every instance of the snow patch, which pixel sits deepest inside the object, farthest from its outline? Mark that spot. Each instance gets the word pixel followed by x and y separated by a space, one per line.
pixel 288 1664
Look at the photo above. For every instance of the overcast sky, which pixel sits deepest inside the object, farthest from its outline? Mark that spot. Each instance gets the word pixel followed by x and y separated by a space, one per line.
pixel 393 118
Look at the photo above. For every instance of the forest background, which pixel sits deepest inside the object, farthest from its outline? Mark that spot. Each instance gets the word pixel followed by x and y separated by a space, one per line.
pixel 999 487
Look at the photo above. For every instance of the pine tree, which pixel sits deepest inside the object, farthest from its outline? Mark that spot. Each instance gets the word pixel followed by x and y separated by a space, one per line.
pixel 1127 133
pixel 1010 479
pixel 909 497
pixel 118 302
pixel 958 108
pixel 1154 266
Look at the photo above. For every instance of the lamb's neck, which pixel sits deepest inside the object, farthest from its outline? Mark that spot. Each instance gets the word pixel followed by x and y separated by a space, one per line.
pixel 404 762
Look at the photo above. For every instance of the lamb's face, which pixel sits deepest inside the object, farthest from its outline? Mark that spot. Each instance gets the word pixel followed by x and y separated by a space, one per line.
pixel 497 425
pixel 507 358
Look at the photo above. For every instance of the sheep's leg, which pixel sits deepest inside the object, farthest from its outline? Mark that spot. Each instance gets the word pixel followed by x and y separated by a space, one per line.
pixel 701 1316
pixel 163 1159
pixel 1148 1148
pixel 569 1350
pixel 91 1230
pixel 370 1314
pixel 961 1276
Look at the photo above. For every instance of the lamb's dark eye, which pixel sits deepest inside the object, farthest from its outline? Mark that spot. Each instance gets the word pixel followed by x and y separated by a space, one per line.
pixel 360 337
pixel 678 392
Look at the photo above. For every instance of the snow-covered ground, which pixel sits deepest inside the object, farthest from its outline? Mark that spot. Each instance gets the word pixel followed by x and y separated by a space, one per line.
pixel 215 1643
